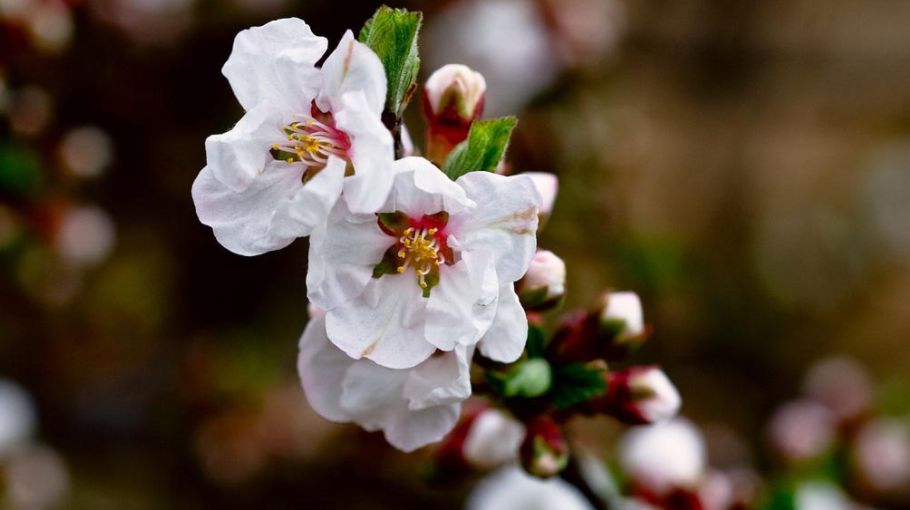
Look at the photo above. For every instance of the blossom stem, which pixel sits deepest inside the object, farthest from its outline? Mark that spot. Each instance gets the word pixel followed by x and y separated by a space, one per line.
pixel 392 122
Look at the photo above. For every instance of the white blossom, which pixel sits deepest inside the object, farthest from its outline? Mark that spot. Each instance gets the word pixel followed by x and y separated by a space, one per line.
pixel 434 269
pixel 664 456
pixel 413 407
pixel 277 174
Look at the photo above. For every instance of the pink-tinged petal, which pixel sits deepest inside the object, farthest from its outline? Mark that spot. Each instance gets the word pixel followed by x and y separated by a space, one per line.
pixel 244 222
pixel 548 186
pixel 420 188
pixel 506 338
pixel 504 221
pixel 371 154
pixel 239 155
pixel 384 324
pixel 342 256
pixel 275 62
pixel 443 379
pixel 322 368
pixel 352 66
pixel 461 307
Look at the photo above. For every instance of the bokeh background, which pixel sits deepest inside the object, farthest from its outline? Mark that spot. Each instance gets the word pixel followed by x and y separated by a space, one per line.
pixel 744 166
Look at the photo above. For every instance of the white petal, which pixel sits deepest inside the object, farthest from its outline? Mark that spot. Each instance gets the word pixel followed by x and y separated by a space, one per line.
pixel 416 429
pixel 504 221
pixel 239 155
pixel 371 154
pixel 310 206
pixel 372 396
pixel 420 188
pixel 352 67
pixel 244 222
pixel 461 307
pixel 322 368
pixel 547 185
pixel 384 324
pixel 342 256
pixel 505 340
pixel 443 379
pixel 275 62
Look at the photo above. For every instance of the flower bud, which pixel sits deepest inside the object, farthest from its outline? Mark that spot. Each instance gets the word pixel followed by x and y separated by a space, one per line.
pixel 663 457
pixel 453 98
pixel 611 330
pixel 881 456
pixel 802 430
pixel 638 395
pixel 544 285
pixel 485 439
pixel 548 186
pixel 545 451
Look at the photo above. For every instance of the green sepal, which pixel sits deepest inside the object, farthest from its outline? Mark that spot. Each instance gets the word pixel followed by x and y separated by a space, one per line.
pixel 483 150
pixel 392 35
pixel 576 383
pixel 393 223
pixel 536 342
pixel 388 264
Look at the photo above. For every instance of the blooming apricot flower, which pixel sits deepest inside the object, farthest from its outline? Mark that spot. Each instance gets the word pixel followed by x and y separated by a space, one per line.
pixel 276 175
pixel 433 269
pixel 413 407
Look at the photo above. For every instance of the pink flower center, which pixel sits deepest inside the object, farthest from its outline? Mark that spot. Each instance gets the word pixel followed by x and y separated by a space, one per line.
pixel 311 139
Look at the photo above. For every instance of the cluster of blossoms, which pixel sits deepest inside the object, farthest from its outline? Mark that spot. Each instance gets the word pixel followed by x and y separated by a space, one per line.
pixel 419 268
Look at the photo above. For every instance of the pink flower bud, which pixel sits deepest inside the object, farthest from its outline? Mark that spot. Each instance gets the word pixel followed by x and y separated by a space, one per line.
pixel 611 330
pixel 547 185
pixel 545 451
pixel 664 457
pixel 638 395
pixel 881 455
pixel 485 439
pixel 453 98
pixel 455 89
pixel 544 285
pixel 801 430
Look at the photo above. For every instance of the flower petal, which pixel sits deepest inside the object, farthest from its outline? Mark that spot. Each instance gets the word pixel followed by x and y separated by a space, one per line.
pixel 352 66
pixel 244 222
pixel 461 307
pixel 384 324
pixel 506 338
pixel 416 429
pixel 420 188
pixel 371 153
pixel 275 62
pixel 442 379
pixel 310 206
pixel 239 155
pixel 504 221
pixel 322 368
pixel 342 256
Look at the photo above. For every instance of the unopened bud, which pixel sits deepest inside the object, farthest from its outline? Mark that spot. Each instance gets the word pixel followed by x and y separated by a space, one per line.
pixel 484 439
pixel 611 330
pixel 663 457
pixel 621 315
pixel 548 186
pixel 544 285
pixel 638 395
pixel 881 455
pixel 545 451
pixel 802 430
pixel 453 98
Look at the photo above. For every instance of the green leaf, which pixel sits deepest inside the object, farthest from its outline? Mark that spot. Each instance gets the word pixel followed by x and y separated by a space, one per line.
pixel 576 383
pixel 392 35
pixel 536 342
pixel 483 150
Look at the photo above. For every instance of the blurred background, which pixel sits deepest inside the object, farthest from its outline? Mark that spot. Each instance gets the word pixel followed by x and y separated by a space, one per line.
pixel 744 166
